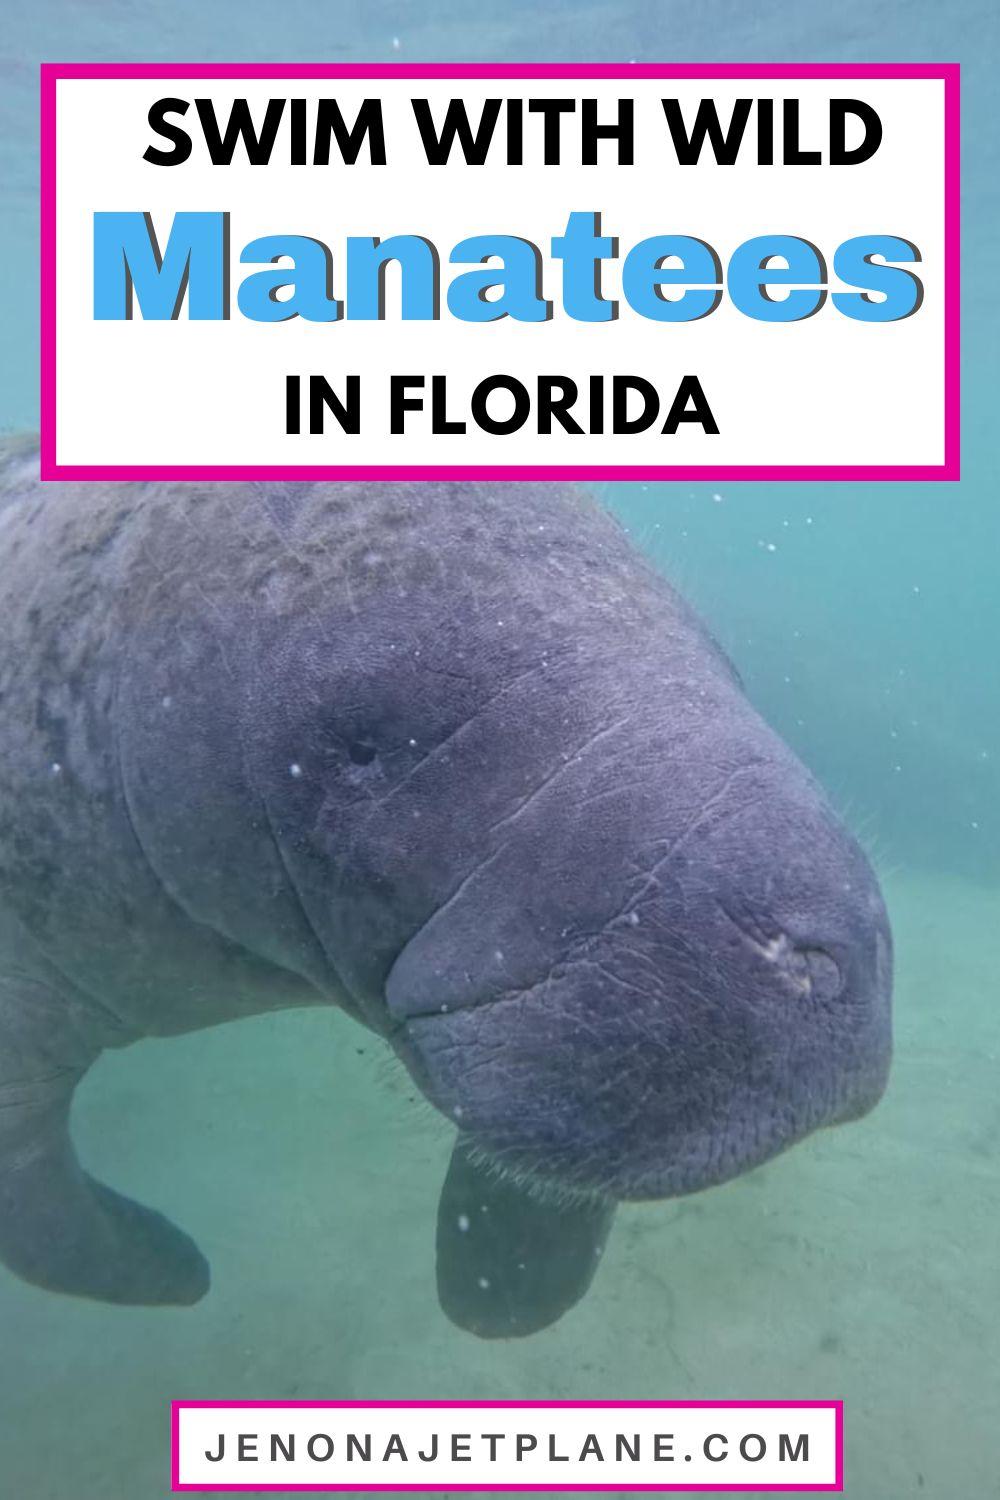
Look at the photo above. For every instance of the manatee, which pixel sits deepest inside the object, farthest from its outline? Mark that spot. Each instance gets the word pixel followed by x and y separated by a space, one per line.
pixel 455 759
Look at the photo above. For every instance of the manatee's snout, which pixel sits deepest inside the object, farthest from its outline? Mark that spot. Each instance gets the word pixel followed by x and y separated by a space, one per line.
pixel 662 991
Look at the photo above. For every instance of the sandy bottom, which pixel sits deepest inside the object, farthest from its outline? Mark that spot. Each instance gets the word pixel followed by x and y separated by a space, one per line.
pixel 863 1264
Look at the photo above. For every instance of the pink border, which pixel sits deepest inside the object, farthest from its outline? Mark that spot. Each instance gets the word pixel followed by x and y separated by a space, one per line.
pixel 948 72
pixel 618 1488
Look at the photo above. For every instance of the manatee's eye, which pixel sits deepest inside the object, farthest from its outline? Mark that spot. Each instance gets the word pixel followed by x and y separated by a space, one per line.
pixel 361 753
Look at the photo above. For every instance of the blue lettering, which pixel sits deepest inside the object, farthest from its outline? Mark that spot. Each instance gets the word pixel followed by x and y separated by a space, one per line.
pixel 310 277
pixel 127 261
pixel 750 275
pixel 519 279
pixel 903 291
pixel 645 271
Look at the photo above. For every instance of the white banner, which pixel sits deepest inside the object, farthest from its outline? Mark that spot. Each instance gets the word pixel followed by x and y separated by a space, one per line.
pixel 507 1445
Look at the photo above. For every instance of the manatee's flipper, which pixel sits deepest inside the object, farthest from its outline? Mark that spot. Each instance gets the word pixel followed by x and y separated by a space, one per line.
pixel 59 1228
pixel 508 1263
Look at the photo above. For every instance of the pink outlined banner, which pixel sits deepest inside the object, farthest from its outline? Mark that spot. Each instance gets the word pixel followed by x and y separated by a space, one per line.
pixel 59 393
pixel 616 1447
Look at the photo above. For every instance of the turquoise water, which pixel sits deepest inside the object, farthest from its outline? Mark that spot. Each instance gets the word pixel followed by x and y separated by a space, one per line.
pixel 864 1264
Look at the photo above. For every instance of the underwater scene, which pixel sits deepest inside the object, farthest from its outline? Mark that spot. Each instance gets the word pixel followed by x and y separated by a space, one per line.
pixel 305 1150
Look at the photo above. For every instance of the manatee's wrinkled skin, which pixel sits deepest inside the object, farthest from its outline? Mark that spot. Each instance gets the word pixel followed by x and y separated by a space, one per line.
pixel 453 758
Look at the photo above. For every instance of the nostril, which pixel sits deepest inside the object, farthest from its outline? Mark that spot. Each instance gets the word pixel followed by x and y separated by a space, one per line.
pixel 811 972
pixel 821 976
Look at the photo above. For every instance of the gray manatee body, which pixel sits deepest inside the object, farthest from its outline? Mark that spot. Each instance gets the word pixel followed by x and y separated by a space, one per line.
pixel 455 759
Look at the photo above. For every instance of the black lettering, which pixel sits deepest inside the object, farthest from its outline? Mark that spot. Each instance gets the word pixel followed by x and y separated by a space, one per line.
pixel 690 390
pixel 240 126
pixel 182 141
pixel 688 145
pixel 839 154
pixel 621 385
pixel 503 426
pixel 323 398
pixel 440 421
pixel 368 126
pixel 400 402
pixel 794 155
pixel 623 131
pixel 551 404
pixel 551 111
pixel 438 144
